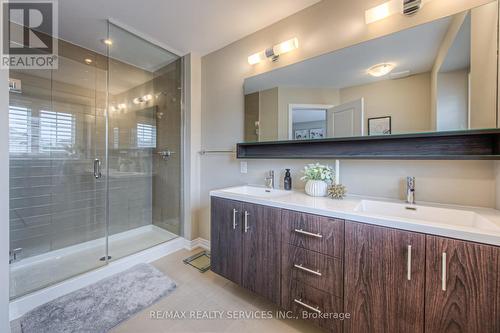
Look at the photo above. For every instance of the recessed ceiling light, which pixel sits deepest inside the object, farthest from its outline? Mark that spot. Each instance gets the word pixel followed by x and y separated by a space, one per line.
pixel 88 61
pixel 107 41
pixel 381 69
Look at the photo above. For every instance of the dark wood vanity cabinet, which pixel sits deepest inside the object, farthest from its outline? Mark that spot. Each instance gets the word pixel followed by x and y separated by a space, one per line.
pixel 384 279
pixel 225 238
pixel 462 286
pixel 245 245
pixel 312 267
pixel 388 280
pixel 261 242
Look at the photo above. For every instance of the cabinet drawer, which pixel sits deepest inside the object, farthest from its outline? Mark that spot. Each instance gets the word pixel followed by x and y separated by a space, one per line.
pixel 308 303
pixel 313 232
pixel 314 269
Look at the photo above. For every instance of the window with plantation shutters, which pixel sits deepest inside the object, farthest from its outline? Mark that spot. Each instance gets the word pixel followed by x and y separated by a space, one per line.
pixel 19 130
pixel 146 136
pixel 57 131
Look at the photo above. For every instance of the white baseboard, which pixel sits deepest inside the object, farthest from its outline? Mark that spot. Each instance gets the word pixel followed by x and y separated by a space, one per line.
pixel 197 242
pixel 20 306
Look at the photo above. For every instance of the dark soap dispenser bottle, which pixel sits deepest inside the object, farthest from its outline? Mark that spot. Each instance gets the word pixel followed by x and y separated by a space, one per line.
pixel 288 180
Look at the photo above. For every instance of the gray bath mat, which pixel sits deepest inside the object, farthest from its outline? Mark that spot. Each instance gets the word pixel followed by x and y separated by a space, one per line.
pixel 102 305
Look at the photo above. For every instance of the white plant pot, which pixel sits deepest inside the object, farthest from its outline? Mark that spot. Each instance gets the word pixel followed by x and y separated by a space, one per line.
pixel 316 188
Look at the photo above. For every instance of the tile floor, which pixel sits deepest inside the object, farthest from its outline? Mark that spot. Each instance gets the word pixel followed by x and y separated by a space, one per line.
pixel 203 292
pixel 206 292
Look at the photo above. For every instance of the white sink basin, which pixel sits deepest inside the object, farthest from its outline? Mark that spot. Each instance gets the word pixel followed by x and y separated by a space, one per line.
pixel 427 214
pixel 258 192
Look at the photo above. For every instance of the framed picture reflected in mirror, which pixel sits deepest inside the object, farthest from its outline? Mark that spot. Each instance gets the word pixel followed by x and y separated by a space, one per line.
pixel 379 126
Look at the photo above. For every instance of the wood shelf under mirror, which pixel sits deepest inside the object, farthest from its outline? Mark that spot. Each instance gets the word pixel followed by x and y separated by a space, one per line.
pixel 453 145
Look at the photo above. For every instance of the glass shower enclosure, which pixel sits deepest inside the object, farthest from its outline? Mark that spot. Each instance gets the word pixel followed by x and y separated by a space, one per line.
pixel 95 159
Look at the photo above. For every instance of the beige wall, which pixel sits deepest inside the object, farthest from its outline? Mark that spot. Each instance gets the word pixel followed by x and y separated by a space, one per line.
pixel 192 135
pixel 290 95
pixel 453 100
pixel 326 26
pixel 497 190
pixel 445 46
pixel 469 183
pixel 406 100
pixel 268 115
pixel 483 79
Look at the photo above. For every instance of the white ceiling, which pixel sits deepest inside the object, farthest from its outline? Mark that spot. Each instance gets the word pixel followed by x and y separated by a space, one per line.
pixel 184 26
pixel 413 49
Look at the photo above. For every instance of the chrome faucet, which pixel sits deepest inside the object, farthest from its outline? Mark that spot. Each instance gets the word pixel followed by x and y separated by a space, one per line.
pixel 270 180
pixel 410 190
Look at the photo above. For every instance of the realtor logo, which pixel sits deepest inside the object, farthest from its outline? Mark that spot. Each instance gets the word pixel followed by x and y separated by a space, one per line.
pixel 29 34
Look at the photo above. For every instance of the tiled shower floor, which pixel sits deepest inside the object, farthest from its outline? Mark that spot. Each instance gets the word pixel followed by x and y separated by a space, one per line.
pixel 49 268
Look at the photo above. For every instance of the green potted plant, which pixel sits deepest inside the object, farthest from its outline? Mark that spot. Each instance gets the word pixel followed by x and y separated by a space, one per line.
pixel 318 177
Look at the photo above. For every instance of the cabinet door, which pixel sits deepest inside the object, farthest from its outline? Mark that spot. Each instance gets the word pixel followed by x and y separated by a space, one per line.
pixel 462 286
pixel 261 250
pixel 384 279
pixel 225 238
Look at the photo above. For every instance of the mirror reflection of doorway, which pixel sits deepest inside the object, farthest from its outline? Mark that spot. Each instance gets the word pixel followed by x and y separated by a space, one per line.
pixel 346 119
pixel 318 121
pixel 307 121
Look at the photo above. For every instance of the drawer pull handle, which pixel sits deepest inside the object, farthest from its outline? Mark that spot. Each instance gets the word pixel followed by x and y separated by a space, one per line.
pixel 312 308
pixel 300 231
pixel 443 272
pixel 307 269
pixel 408 269
pixel 246 221
pixel 234 218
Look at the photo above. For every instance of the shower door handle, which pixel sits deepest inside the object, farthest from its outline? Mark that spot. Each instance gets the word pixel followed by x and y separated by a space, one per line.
pixel 97 169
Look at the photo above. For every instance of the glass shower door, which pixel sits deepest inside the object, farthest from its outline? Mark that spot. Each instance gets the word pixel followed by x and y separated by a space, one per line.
pixel 57 130
pixel 145 143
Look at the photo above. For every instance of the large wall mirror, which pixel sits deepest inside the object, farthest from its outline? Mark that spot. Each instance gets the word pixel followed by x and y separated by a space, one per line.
pixel 439 76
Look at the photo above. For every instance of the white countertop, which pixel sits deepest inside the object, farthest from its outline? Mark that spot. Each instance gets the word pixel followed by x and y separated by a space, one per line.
pixel 348 209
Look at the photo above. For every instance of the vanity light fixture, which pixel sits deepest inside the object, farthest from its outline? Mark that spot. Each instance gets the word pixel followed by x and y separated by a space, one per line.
pixel 381 69
pixel 381 11
pixel 406 7
pixel 274 52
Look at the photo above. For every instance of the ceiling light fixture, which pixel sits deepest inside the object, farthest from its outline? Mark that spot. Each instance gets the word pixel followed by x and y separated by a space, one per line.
pixel 274 52
pixel 381 69
pixel 88 61
pixel 406 7
pixel 107 41
pixel 143 99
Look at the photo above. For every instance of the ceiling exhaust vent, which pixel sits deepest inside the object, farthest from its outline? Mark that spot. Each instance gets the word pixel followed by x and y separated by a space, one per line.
pixel 411 7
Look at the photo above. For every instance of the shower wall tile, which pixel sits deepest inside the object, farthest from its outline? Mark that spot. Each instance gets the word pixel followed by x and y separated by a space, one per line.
pixel 54 199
